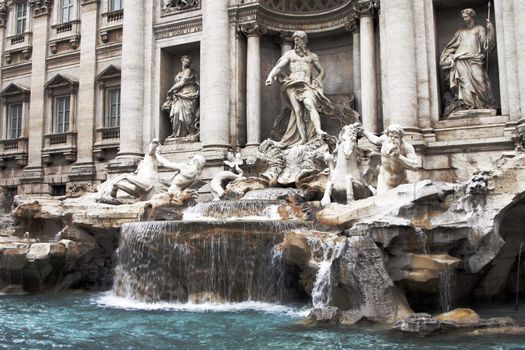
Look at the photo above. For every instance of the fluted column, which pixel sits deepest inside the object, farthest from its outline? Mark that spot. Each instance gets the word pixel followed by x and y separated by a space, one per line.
pixel 253 83
pixel 86 91
pixel 353 27
pixel 132 82
pixel 366 11
pixel 519 27
pixel 215 75
pixel 400 93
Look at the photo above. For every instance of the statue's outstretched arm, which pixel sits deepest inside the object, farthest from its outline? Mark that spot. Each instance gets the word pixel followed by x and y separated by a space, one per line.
pixel 167 164
pixel 376 140
pixel 280 65
pixel 409 160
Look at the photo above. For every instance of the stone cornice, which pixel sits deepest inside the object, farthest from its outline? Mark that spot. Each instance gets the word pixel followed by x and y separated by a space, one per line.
pixel 183 27
pixel 87 2
pixel 278 21
pixel 252 29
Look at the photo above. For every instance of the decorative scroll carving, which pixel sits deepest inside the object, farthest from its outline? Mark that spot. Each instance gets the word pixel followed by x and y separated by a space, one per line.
pixel 3 14
pixel 174 6
pixel 40 7
pixel 353 23
pixel 251 29
pixel 366 7
pixel 286 38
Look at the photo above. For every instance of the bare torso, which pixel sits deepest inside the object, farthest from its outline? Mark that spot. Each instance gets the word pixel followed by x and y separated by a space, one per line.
pixel 300 66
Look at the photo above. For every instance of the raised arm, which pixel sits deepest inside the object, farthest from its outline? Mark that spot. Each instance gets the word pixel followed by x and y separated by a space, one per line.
pixel 376 140
pixel 409 160
pixel 281 64
pixel 166 163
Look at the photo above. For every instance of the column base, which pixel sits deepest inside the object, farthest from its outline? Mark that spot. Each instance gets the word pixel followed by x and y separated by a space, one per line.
pixel 84 172
pixel 124 164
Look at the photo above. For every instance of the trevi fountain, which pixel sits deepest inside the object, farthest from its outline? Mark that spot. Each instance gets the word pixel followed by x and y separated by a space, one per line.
pixel 355 180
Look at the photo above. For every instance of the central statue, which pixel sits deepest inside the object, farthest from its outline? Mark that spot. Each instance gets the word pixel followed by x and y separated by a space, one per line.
pixel 302 91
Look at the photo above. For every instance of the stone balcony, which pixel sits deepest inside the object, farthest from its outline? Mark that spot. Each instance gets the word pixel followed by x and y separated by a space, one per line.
pixel 111 21
pixel 64 34
pixel 19 43
pixel 106 139
pixel 64 144
pixel 14 149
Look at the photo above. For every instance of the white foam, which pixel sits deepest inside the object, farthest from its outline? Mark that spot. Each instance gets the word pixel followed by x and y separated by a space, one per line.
pixel 110 300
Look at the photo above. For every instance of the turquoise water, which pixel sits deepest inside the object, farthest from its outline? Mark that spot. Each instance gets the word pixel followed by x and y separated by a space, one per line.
pixel 99 321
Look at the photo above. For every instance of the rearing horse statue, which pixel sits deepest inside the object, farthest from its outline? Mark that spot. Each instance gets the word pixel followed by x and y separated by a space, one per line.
pixel 346 179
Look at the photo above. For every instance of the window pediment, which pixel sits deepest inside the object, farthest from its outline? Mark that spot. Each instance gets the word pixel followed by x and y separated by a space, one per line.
pixel 61 82
pixel 109 72
pixel 14 90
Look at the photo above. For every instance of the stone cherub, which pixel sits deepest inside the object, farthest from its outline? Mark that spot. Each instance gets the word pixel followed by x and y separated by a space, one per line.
pixel 217 183
pixel 397 156
pixel 346 182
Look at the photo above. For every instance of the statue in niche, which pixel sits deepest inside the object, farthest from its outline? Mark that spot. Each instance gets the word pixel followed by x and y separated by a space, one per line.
pixel 302 91
pixel 347 181
pixel 397 156
pixel 182 104
pixel 463 61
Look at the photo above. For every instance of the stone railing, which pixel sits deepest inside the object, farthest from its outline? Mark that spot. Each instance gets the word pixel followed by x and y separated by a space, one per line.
pixel 18 43
pixel 111 21
pixel 106 139
pixel 62 143
pixel 65 32
pixel 14 149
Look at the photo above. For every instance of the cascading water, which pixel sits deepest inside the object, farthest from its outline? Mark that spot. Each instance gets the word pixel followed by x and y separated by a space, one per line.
pixel 445 289
pixel 236 210
pixel 203 261
pixel 329 250
pixel 422 240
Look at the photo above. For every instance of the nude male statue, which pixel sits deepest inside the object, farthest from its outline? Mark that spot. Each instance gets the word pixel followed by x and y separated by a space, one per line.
pixel 397 155
pixel 302 91
pixel 187 175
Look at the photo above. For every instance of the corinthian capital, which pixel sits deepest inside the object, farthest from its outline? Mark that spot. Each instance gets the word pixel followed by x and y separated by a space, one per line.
pixel 252 29
pixel 365 8
pixel 352 25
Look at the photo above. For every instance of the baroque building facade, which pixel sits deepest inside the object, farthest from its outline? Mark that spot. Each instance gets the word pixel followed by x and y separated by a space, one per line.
pixel 83 82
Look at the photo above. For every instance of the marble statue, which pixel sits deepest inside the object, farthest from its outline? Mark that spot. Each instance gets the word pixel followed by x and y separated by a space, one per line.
pixel 187 174
pixel 463 61
pixel 302 91
pixel 397 156
pixel 144 183
pixel 217 185
pixel 346 177
pixel 182 103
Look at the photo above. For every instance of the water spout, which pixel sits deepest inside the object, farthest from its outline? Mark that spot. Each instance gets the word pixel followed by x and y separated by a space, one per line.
pixel 445 289
pixel 422 240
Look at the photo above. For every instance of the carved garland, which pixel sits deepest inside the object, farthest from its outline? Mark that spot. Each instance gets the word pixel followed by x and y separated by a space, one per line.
pixel 169 7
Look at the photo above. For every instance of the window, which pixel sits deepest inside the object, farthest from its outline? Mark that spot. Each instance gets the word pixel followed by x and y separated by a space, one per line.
pixel 62 111
pixel 67 11
pixel 115 5
pixel 14 125
pixel 58 190
pixel 113 107
pixel 20 18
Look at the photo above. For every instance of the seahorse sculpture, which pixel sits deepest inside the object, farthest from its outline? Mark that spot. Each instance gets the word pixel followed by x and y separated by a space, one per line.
pixel 219 181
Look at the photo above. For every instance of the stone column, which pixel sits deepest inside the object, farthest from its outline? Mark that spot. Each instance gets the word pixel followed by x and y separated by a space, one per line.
pixel 253 83
pixel 519 27
pixel 353 27
pixel 132 82
pixel 400 93
pixel 33 172
pixel 366 11
pixel 215 76
pixel 286 42
pixel 86 122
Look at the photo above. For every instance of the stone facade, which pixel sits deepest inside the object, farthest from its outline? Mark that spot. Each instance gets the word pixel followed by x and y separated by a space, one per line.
pixel 74 72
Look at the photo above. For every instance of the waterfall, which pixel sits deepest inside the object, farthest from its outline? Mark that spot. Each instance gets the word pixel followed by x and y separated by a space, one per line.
pixel 272 193
pixel 422 240
pixel 445 289
pixel 329 250
pixel 202 261
pixel 236 210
